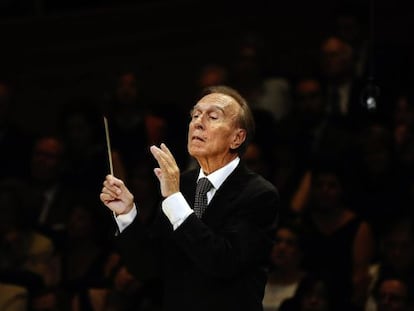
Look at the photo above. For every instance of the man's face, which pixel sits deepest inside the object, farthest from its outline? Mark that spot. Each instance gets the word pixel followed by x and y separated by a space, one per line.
pixel 213 129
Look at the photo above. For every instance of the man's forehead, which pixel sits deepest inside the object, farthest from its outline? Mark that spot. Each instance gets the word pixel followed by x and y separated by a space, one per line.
pixel 217 100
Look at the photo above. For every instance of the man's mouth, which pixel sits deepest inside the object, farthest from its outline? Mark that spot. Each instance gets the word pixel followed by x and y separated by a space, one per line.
pixel 197 138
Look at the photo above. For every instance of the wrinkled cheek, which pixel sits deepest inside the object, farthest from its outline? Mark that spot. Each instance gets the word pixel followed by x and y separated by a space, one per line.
pixel 194 149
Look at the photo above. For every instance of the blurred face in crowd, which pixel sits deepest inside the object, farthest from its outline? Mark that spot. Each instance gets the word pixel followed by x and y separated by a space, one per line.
pixel 309 99
pixel 398 248
pixel 286 251
pixel 316 298
pixel 392 296
pixel 81 223
pixel 127 88
pixel 47 159
pixel 336 59
pixel 327 191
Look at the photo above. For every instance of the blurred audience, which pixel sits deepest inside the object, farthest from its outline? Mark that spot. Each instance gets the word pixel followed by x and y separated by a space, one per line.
pixel 81 126
pixel 46 183
pixel 339 244
pixel 126 111
pixel 352 22
pixel 314 293
pixel 342 88
pixel 377 193
pixel 286 270
pixel 394 294
pixel 26 255
pixel 396 256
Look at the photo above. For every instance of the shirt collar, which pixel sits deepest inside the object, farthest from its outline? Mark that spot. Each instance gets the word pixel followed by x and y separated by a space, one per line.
pixel 219 176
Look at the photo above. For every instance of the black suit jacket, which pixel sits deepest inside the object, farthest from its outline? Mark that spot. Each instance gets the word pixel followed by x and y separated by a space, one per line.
pixel 218 262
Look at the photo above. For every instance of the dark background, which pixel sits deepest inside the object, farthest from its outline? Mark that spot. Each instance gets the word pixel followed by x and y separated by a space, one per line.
pixel 54 49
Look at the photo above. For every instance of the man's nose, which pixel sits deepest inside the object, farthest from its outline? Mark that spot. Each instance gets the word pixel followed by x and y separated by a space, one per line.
pixel 199 122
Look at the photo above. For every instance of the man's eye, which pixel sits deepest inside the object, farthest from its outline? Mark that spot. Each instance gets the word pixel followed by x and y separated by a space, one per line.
pixel 213 117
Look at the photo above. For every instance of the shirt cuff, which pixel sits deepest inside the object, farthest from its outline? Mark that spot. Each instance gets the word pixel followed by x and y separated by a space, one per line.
pixel 176 208
pixel 125 220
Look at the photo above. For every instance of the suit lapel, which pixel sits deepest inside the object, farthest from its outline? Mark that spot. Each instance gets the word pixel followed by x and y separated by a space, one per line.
pixel 222 202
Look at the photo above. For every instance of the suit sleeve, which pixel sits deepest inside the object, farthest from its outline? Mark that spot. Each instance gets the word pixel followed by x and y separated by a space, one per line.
pixel 139 246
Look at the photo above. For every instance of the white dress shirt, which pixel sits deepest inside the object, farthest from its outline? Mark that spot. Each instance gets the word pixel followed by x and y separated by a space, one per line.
pixel 175 207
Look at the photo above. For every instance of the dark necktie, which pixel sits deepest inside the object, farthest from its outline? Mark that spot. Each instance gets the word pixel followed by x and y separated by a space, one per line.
pixel 200 203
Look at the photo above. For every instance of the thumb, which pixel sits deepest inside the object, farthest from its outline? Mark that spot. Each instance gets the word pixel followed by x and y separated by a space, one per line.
pixel 158 173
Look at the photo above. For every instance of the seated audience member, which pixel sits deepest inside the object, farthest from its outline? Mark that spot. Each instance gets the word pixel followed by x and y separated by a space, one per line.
pixel 85 261
pixel 313 294
pixel 396 255
pixel 46 183
pixel 394 293
pixel 26 256
pixel 286 270
pixel 86 249
pixel 339 244
pixel 377 188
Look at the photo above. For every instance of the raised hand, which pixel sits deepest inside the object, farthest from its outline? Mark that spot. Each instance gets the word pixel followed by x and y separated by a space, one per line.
pixel 168 172
pixel 116 196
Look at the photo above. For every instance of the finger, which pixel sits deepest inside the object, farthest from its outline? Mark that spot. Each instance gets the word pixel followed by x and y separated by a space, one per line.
pixel 111 189
pixel 106 198
pixel 165 158
pixel 158 173
pixel 114 193
pixel 160 156
pixel 113 181
pixel 168 152
pixel 155 152
pixel 165 149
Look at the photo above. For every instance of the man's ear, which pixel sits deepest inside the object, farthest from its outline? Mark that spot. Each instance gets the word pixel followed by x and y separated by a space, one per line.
pixel 238 139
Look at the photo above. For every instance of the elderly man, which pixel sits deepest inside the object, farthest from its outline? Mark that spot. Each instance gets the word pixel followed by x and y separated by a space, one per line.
pixel 213 231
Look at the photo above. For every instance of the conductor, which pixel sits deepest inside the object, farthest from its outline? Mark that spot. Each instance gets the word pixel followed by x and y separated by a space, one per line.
pixel 211 237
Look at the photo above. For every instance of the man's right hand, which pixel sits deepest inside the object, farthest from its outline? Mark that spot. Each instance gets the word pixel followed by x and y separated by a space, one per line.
pixel 116 196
